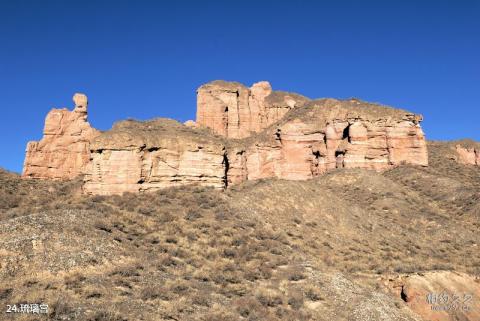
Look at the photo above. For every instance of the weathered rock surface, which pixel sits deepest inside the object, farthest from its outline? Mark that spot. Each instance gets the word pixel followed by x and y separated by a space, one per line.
pixel 468 155
pixel 64 151
pixel 232 110
pixel 311 140
pixel 275 134
pixel 328 134
pixel 139 156
pixel 441 295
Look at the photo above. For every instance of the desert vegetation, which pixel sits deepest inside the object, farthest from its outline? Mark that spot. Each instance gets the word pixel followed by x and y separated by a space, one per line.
pixel 262 250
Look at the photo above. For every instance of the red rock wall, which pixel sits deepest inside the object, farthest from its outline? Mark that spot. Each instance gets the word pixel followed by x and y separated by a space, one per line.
pixel 147 156
pixel 63 152
pixel 232 110
pixel 297 152
pixel 315 137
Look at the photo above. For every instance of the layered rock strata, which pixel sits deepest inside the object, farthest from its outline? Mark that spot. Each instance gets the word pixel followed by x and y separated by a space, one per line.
pixel 233 110
pixel 320 136
pixel 328 134
pixel 285 136
pixel 64 150
pixel 145 156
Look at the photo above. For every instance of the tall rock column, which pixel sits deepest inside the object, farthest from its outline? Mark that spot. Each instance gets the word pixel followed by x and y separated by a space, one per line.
pixel 64 150
pixel 233 110
pixel 222 106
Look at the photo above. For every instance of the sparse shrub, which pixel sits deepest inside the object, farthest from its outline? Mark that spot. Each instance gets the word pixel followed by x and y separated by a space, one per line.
pixel 146 210
pixel 229 253
pixel 295 274
pixel 295 299
pixel 313 294
pixel 74 280
pixel 93 295
pixel 193 215
pixel 201 299
pixel 5 293
pixel 152 292
pixel 128 270
pixel 98 199
pixel 61 309
pixel 409 268
pixel 180 288
pixel 249 308
pixel 103 227
pixel 166 260
pixel 269 297
pixel 171 240
pixel 107 315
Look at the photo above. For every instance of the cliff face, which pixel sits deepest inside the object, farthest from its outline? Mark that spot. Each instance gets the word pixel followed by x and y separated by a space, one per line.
pixel 232 110
pixel 328 134
pixel 284 135
pixel 142 156
pixel 64 151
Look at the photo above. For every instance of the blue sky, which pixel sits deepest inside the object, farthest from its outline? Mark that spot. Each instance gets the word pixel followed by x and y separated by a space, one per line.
pixel 145 59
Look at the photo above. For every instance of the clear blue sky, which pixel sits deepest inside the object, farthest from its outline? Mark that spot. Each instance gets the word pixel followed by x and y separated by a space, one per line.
pixel 144 59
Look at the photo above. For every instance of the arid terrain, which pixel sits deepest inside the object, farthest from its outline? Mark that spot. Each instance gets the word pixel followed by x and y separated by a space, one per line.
pixel 336 247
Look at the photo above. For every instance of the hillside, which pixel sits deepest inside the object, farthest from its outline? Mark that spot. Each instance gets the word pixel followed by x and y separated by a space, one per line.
pixel 323 249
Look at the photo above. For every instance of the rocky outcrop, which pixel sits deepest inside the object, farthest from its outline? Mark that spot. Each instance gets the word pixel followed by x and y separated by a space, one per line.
pixel 468 155
pixel 309 140
pixel 439 295
pixel 284 135
pixel 328 134
pixel 232 110
pixel 145 156
pixel 64 150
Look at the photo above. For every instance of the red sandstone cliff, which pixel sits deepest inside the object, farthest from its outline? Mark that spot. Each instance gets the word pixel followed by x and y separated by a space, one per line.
pixel 139 156
pixel 232 110
pixel 64 151
pixel 297 141
pixel 241 134
pixel 328 134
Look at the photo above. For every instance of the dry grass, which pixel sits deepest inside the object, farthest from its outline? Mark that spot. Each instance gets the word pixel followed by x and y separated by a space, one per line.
pixel 264 250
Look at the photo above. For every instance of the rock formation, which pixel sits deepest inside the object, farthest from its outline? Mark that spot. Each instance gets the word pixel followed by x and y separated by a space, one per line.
pixel 275 134
pixel 232 110
pixel 440 295
pixel 140 156
pixel 64 151
pixel 328 134
pixel 468 155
